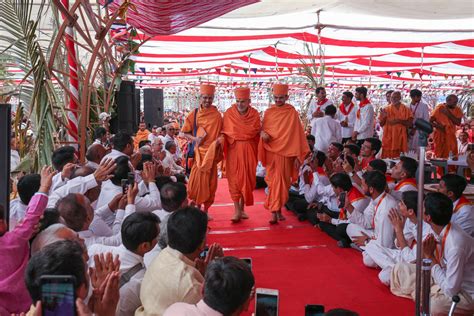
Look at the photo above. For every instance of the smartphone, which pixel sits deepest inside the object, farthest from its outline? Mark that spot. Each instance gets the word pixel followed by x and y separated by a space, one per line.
pixel 131 178
pixel 266 302
pixel 314 310
pixel 124 183
pixel 58 295
pixel 248 261
pixel 342 199
pixel 203 253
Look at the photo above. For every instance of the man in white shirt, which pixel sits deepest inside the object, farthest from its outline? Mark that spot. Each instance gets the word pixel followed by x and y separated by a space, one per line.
pixel 176 274
pixel 364 123
pixel 463 142
pixel 173 196
pixel 351 200
pixel 64 161
pixel 419 110
pixel 326 129
pixel 94 155
pixel 317 107
pixel 101 136
pixel 451 252
pixel 169 161
pixel 139 235
pixel 122 146
pixel 154 134
pixel 227 290
pixel 373 225
pixel 346 114
pixel 27 186
pixel 113 187
pixel 171 130
pixel 14 155
pixel 404 221
pixel 404 173
pixel 453 186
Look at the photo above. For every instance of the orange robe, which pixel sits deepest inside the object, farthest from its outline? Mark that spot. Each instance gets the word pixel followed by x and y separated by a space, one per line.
pixel 242 133
pixel 287 143
pixel 395 136
pixel 141 135
pixel 202 184
pixel 445 141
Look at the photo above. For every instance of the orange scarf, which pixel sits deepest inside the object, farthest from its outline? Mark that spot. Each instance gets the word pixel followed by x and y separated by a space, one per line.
pixel 361 105
pixel 343 110
pixel 462 201
pixel 411 181
pixel 353 195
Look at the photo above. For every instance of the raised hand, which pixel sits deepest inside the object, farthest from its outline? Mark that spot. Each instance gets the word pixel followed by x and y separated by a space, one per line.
pixel 104 265
pixel 396 219
pixel 132 193
pixel 148 173
pixel 104 171
pixel 104 299
pixel 67 170
pixel 114 204
pixel 47 175
pixel 429 246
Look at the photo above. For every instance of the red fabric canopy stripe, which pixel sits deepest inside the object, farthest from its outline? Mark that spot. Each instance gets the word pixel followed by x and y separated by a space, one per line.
pixel 307 37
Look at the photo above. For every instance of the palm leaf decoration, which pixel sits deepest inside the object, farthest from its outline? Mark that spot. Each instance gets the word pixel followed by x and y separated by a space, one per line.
pixel 19 43
pixel 313 74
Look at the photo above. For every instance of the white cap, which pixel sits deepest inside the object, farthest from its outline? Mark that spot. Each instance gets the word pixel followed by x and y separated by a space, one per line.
pixel 103 116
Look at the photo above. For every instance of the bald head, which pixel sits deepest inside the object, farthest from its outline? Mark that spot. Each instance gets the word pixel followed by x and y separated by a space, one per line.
pixel 451 100
pixel 76 211
pixel 52 234
pixel 396 97
pixel 95 153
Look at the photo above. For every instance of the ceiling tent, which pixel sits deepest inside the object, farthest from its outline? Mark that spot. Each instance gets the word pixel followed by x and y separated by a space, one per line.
pixel 258 41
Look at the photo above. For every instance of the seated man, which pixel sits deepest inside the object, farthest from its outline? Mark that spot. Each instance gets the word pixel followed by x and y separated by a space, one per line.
pixel 139 235
pixel 374 224
pixel 169 162
pixel 404 222
pixel 453 185
pixel 352 200
pixel 27 186
pixel 404 174
pixel 176 274
pixel 451 252
pixel 369 150
pixel 66 257
pixel 333 154
pixel 227 290
pixel 173 197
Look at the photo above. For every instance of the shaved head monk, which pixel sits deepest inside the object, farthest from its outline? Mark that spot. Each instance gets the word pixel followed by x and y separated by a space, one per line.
pixel 203 127
pixel 241 130
pixel 445 118
pixel 395 119
pixel 282 149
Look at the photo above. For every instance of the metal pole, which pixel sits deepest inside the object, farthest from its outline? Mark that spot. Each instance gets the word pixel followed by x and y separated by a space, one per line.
pixel 426 289
pixel 419 246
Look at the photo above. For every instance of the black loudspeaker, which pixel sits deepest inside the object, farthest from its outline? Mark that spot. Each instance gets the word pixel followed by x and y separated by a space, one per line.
pixel 153 107
pixel 5 138
pixel 128 111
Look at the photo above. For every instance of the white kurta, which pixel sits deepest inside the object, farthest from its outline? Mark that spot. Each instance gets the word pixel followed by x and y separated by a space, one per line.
pixel 420 110
pixel 346 132
pixel 313 107
pixel 325 130
pixel 365 124
pixel 464 217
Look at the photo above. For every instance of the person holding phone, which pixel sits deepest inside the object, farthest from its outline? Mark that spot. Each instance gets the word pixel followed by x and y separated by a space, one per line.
pixel 15 250
pixel 228 290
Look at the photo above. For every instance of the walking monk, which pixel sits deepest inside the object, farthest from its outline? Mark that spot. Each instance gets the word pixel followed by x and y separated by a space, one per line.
pixel 445 118
pixel 241 130
pixel 282 149
pixel 395 120
pixel 203 127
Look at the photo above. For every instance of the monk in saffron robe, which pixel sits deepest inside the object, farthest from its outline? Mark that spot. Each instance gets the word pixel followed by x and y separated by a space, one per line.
pixel 142 134
pixel 282 149
pixel 445 118
pixel 241 131
pixel 202 184
pixel 395 120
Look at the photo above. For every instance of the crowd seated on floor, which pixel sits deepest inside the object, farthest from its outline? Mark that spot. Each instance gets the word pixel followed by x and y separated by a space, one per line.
pixel 122 226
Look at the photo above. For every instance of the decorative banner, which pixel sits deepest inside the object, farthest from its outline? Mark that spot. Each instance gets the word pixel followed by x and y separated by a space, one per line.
pixel 254 70
pixel 218 70
pixel 246 70
pixel 227 70
pixel 399 73
pixel 142 69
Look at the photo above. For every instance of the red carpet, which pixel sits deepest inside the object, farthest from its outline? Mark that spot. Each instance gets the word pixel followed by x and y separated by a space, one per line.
pixel 302 262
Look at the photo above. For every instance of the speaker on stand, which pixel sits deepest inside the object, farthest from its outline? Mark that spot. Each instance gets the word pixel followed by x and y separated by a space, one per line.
pixel 153 105
pixel 128 111
pixel 5 139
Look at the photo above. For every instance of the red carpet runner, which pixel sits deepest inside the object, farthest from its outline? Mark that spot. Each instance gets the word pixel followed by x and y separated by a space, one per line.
pixel 303 263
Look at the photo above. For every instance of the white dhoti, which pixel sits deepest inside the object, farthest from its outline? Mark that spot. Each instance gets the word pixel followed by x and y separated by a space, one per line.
pixel 403 283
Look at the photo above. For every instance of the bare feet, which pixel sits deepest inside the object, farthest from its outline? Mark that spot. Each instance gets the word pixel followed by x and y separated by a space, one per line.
pixel 244 215
pixel 274 219
pixel 280 216
pixel 236 219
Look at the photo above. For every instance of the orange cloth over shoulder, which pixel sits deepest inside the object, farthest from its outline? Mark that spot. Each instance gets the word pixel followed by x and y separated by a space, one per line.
pixel 287 143
pixel 202 184
pixel 242 134
pixel 445 141
pixel 141 135
pixel 395 136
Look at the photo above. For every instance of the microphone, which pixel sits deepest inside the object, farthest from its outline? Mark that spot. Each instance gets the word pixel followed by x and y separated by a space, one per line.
pixel 456 300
